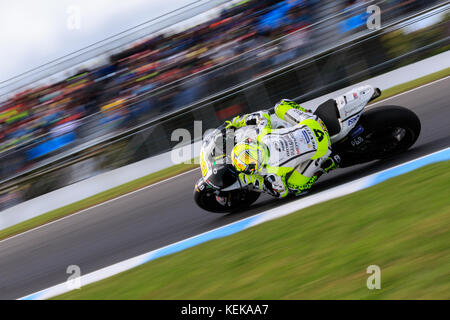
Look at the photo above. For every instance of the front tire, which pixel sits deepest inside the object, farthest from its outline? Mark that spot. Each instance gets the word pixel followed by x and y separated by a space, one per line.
pixel 208 200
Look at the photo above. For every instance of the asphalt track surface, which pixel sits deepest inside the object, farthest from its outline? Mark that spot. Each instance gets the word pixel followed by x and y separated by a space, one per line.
pixel 166 213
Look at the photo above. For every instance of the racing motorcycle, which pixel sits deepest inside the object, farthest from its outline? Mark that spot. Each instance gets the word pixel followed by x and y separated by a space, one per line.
pixel 358 135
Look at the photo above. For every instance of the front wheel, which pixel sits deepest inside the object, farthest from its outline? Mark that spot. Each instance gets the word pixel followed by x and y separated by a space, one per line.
pixel 224 202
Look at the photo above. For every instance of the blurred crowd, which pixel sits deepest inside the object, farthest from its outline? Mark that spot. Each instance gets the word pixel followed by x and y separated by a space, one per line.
pixel 45 119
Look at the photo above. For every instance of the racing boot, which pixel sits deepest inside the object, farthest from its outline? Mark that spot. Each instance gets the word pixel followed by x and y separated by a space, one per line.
pixel 331 163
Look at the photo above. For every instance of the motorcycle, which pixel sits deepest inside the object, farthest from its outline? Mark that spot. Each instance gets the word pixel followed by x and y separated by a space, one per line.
pixel 358 135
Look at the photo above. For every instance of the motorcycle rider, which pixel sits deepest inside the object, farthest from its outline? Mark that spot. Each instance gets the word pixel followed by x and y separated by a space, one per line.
pixel 280 160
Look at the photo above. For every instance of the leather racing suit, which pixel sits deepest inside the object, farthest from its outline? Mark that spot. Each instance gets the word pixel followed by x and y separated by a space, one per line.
pixel 297 155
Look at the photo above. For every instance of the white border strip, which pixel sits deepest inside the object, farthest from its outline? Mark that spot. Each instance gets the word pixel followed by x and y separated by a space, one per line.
pixel 360 184
pixel 100 204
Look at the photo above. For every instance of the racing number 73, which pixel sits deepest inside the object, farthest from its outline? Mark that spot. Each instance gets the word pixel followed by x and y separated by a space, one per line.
pixel 319 134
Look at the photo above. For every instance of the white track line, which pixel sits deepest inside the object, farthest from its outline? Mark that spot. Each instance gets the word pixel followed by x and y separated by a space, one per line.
pixel 99 204
pixel 409 91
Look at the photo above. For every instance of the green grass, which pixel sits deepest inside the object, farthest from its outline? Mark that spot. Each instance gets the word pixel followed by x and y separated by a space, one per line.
pixel 142 182
pixel 321 252
pixel 96 199
pixel 413 84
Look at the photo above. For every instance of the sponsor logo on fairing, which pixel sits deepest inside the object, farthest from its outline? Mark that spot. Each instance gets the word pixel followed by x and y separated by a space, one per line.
pixel 357 141
pixel 356 131
pixel 353 120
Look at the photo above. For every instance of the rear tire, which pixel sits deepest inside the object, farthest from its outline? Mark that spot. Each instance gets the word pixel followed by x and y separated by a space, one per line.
pixel 395 129
pixel 384 132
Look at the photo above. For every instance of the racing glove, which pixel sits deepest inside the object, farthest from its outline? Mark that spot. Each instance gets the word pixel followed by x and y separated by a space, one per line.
pixel 260 118
pixel 236 123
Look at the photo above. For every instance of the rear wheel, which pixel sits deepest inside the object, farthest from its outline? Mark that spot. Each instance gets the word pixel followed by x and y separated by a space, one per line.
pixel 382 132
pixel 392 130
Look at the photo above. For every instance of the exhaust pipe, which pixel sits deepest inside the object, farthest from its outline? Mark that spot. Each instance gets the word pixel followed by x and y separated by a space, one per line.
pixel 376 94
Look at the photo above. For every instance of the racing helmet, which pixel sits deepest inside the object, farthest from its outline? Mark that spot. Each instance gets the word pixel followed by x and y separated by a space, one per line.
pixel 248 156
